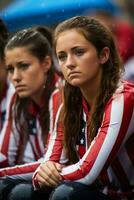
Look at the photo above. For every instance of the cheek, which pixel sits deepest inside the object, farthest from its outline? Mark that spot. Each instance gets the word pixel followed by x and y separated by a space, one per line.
pixel 9 76
pixel 38 80
pixel 93 59
pixel 63 70
pixel 92 63
pixel 36 75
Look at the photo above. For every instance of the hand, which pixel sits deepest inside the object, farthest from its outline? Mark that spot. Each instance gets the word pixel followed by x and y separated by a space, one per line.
pixel 49 174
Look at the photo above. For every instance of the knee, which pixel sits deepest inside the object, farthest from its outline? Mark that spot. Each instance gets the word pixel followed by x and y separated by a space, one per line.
pixel 21 192
pixel 62 192
pixel 5 188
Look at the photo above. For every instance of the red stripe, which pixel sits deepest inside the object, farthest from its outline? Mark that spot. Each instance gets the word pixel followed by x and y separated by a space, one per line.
pixel 22 169
pixel 6 139
pixel 81 150
pixel 58 145
pixel 56 100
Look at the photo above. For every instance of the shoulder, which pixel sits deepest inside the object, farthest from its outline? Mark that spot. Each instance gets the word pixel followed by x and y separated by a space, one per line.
pixel 124 94
pixel 57 93
pixel 124 88
pixel 56 99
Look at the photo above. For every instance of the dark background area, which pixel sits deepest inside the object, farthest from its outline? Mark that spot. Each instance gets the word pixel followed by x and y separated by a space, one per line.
pixel 4 3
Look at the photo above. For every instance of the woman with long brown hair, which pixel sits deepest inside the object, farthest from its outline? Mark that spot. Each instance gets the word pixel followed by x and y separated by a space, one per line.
pixel 90 152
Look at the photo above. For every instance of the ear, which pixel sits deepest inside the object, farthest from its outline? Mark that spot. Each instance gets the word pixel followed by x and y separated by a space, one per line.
pixel 104 55
pixel 47 64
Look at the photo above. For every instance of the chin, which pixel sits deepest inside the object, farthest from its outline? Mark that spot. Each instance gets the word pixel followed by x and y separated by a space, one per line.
pixel 75 83
pixel 23 95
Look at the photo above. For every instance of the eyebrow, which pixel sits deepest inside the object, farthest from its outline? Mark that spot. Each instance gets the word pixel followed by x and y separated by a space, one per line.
pixel 73 48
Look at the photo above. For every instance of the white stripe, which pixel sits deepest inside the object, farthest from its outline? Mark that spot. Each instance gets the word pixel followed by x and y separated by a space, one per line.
pixel 39 137
pixel 86 133
pixel 51 114
pixel 2 133
pixel 53 136
pixel 51 110
pixel 13 147
pixel 63 158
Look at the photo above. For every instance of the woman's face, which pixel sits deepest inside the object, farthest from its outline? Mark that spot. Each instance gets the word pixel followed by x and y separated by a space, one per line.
pixel 26 72
pixel 78 59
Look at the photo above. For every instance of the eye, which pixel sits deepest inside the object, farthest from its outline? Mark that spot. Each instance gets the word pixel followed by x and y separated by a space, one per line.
pixel 10 69
pixel 62 57
pixel 79 52
pixel 23 66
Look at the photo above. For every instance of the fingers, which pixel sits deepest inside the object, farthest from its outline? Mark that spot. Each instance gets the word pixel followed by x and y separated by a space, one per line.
pixel 48 174
pixel 58 167
pixel 45 181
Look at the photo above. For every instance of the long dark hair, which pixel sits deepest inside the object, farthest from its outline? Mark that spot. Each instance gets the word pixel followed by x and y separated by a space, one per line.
pixel 100 36
pixel 38 41
pixel 3 38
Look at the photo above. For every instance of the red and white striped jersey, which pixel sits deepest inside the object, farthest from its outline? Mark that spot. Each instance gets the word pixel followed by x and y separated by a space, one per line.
pixel 5 97
pixel 110 156
pixel 10 142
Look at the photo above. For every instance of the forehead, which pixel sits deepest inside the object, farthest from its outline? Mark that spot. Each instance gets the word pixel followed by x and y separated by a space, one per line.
pixel 70 38
pixel 17 52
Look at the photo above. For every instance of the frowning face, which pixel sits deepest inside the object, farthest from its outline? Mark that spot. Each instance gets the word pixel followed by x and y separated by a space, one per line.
pixel 26 72
pixel 77 58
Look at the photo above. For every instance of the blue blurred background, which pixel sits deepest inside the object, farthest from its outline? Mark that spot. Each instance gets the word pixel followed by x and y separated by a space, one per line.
pixel 24 13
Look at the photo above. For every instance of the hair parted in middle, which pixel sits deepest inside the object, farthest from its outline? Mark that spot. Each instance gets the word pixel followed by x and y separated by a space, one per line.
pixel 99 36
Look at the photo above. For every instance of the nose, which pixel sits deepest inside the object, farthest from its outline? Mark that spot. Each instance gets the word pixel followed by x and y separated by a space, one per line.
pixel 70 62
pixel 16 76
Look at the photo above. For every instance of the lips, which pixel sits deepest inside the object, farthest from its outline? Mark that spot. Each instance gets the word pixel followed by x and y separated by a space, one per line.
pixel 73 74
pixel 19 88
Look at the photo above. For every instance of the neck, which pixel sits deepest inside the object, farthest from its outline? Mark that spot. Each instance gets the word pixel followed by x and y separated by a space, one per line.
pixel 91 90
pixel 39 97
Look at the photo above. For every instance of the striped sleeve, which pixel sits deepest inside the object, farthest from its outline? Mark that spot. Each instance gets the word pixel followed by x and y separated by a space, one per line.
pixel 6 136
pixel 19 170
pixel 26 169
pixel 54 147
pixel 104 147
pixel 55 138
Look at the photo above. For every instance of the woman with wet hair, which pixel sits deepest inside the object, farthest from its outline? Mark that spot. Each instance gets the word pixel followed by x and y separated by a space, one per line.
pixel 95 129
pixel 31 116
